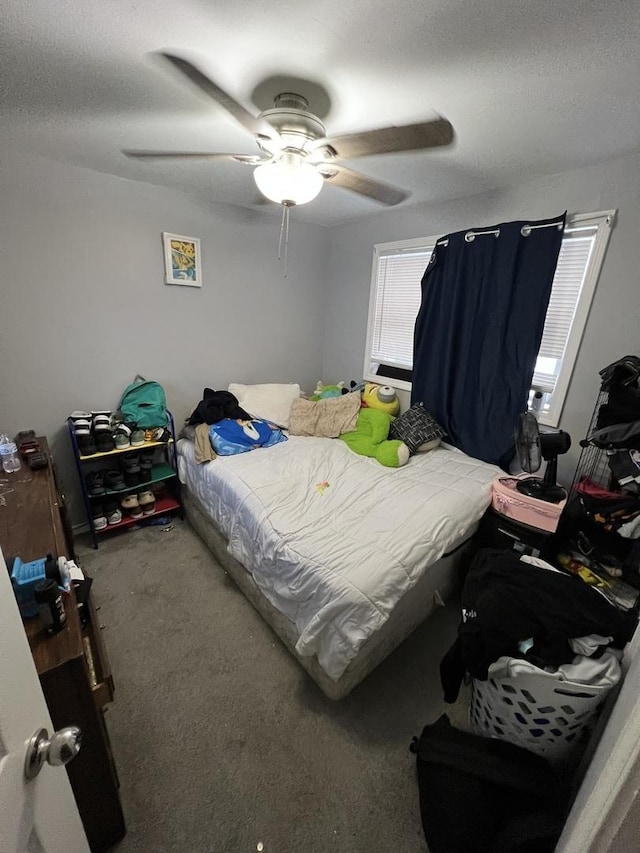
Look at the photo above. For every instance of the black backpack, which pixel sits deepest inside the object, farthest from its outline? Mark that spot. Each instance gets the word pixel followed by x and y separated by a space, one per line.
pixel 481 795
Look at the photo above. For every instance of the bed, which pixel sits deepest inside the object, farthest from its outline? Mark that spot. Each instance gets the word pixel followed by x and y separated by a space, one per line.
pixel 342 556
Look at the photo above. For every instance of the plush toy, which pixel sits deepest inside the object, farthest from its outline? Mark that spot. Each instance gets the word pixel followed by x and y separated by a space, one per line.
pixel 355 387
pixel 370 439
pixel 324 391
pixel 381 397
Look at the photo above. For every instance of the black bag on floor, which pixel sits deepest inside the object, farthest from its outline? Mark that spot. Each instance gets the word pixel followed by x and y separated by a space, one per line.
pixel 480 795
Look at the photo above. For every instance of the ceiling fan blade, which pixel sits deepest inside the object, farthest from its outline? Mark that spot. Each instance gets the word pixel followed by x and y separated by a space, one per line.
pixel 192 155
pixel 386 140
pixel 254 124
pixel 362 184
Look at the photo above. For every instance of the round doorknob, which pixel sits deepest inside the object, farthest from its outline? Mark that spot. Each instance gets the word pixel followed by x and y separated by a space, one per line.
pixel 56 750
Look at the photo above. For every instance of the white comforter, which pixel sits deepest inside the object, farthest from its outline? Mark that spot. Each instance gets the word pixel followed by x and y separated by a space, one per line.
pixel 334 539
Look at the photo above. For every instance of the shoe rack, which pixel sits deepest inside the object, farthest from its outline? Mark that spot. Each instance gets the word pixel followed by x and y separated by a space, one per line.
pixel 163 482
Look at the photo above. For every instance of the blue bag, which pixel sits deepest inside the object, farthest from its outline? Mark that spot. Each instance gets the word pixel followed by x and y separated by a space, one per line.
pixel 229 437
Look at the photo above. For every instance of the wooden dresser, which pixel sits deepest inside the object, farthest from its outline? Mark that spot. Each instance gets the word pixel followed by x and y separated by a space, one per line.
pixel 73 666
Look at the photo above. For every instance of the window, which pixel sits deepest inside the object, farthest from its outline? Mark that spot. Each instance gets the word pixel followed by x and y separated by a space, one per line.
pixel 395 299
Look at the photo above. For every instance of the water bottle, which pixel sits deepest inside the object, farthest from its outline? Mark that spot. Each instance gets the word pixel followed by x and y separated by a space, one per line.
pixel 536 404
pixel 9 455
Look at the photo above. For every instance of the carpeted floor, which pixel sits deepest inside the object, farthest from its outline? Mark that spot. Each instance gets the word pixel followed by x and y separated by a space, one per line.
pixel 222 742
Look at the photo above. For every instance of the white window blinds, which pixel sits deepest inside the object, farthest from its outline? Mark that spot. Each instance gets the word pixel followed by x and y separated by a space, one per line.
pixel 573 262
pixel 396 303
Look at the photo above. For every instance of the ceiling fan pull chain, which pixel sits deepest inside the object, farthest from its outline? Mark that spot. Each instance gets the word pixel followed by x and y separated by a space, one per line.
pixel 284 210
pixel 284 231
pixel 286 240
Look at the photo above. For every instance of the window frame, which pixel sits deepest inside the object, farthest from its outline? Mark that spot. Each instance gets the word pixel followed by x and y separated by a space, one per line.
pixel 552 411
pixel 379 249
pixel 603 220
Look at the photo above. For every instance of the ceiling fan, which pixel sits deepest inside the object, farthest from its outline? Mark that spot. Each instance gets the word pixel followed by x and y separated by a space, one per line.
pixel 295 155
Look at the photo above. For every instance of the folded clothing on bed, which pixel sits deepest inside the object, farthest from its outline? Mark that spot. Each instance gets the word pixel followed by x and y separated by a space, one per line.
pixel 229 436
pixel 326 418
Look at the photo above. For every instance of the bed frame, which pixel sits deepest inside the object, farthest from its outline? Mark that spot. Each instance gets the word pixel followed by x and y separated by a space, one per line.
pixel 433 588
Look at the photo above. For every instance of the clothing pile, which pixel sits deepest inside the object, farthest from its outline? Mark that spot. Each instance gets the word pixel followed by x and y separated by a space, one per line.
pixel 220 426
pixel 216 405
pixel 524 608
pixel 608 519
pixel 618 420
pixel 520 618
pixel 615 511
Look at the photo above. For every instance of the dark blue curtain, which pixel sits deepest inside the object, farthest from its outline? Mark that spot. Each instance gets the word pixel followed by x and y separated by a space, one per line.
pixel 478 331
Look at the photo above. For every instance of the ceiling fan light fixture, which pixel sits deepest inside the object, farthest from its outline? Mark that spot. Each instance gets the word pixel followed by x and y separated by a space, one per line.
pixel 296 155
pixel 288 180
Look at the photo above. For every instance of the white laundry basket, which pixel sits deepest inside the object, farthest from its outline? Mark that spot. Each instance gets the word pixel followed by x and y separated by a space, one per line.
pixel 536 711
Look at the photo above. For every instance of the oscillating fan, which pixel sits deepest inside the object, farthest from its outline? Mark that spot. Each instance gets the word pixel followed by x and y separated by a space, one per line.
pixel 532 446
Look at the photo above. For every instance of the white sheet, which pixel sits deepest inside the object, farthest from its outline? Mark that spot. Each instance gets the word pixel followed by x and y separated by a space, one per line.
pixel 336 558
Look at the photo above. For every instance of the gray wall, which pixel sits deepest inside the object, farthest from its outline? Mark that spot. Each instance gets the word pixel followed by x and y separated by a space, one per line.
pixel 613 327
pixel 84 308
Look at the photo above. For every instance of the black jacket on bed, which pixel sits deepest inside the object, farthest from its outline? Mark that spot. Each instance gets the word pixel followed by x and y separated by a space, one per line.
pixel 506 600
pixel 216 405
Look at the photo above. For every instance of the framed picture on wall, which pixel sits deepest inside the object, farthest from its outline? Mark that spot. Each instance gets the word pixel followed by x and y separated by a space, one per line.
pixel 182 260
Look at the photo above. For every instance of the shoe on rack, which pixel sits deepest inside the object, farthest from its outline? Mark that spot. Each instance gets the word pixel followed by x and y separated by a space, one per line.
pixel 137 438
pixel 104 442
pixel 80 416
pixel 131 468
pixel 121 440
pixel 82 426
pixel 99 517
pixel 131 506
pixel 160 434
pixel 132 477
pixel 101 422
pixel 95 483
pixel 130 460
pixel 114 480
pixel 113 513
pixel 146 470
pixel 120 428
pixel 87 445
pixel 147 502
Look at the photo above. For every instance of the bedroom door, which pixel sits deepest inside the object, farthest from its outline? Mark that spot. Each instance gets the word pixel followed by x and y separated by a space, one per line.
pixel 37 816
pixel 604 817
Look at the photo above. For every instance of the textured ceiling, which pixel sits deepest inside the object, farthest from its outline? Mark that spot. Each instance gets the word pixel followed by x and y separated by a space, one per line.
pixel 531 88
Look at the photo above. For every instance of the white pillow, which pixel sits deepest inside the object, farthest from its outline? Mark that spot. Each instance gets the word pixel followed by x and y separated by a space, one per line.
pixel 270 402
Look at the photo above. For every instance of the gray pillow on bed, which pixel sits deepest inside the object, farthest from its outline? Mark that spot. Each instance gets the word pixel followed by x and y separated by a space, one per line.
pixel 416 427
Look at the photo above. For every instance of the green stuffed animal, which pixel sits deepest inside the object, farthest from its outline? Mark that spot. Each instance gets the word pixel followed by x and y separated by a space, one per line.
pixel 380 397
pixel 370 439
pixel 324 391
